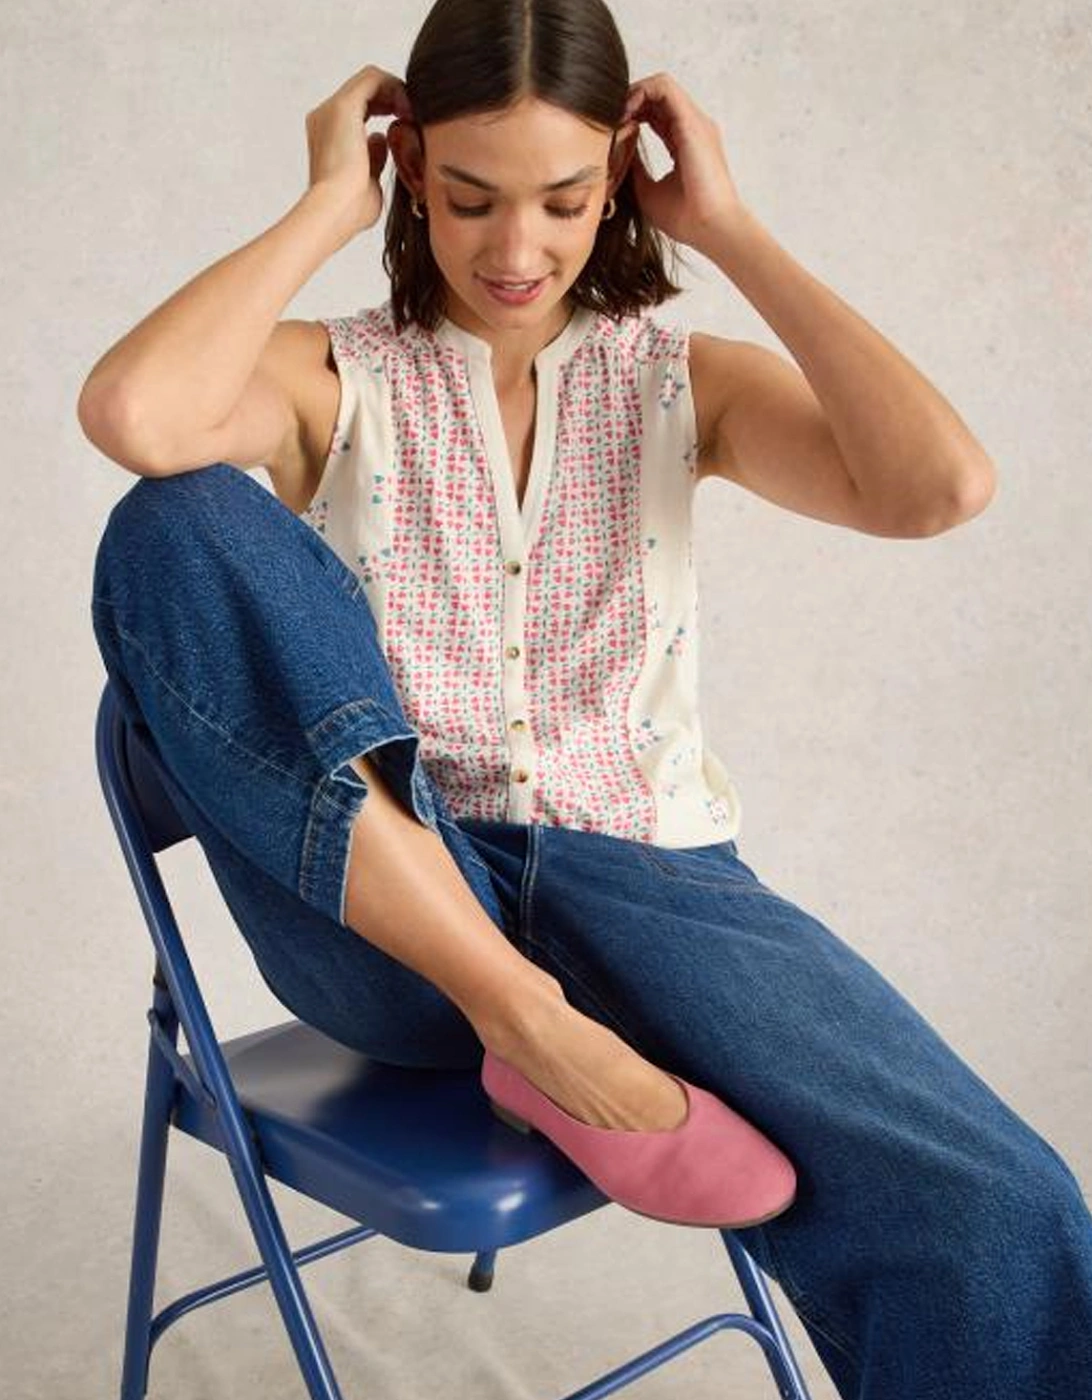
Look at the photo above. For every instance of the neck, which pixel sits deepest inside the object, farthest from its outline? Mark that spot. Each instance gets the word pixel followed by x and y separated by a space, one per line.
pixel 513 351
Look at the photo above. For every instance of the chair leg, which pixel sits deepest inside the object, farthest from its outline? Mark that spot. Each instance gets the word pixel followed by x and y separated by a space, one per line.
pixel 158 1098
pixel 480 1278
pixel 779 1355
pixel 242 1155
pixel 284 1276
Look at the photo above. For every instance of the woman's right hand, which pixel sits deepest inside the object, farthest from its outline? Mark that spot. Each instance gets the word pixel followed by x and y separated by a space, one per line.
pixel 342 152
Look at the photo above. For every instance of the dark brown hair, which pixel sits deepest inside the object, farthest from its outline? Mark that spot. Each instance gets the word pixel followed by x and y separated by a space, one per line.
pixel 473 56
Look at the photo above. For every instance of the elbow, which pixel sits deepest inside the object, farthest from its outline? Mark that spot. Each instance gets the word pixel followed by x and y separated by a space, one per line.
pixel 90 413
pixel 102 414
pixel 107 421
pixel 971 489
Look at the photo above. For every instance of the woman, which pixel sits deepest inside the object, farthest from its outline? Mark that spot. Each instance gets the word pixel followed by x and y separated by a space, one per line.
pixel 471 602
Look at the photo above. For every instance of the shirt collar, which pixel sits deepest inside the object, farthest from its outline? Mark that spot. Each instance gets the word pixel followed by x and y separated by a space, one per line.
pixel 554 353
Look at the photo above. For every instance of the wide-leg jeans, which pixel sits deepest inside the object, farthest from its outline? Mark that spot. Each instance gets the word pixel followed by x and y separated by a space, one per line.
pixel 938 1248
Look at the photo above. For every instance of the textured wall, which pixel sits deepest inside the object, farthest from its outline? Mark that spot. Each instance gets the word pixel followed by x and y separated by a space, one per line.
pixel 907 719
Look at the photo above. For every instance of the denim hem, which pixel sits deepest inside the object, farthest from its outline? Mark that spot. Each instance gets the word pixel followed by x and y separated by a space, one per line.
pixel 352 730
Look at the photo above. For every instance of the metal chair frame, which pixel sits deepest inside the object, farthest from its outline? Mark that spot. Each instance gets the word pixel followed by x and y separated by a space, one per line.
pixel 514 1189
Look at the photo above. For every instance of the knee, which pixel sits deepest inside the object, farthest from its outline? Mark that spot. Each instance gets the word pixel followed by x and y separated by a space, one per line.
pixel 162 506
pixel 1031 1206
pixel 161 518
pixel 1058 1210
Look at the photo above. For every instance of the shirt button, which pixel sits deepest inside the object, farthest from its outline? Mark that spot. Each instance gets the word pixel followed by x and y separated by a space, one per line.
pixel 512 652
pixel 521 775
pixel 514 566
pixel 518 724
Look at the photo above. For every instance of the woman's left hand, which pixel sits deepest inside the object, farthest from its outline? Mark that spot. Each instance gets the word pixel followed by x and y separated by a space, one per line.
pixel 697 196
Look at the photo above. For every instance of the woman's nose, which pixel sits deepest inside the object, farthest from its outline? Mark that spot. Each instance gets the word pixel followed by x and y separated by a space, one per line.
pixel 517 243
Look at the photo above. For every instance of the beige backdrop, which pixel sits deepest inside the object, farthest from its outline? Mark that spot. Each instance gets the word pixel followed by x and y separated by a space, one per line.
pixel 907 720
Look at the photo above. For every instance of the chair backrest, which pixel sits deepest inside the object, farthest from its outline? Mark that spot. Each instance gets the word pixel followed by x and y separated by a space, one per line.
pixel 132 752
pixel 137 792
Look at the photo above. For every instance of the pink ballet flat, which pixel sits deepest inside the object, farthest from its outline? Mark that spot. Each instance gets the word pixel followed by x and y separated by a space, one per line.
pixel 715 1169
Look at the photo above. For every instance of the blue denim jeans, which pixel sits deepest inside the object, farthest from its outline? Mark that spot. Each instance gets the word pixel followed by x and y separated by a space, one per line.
pixel 938 1248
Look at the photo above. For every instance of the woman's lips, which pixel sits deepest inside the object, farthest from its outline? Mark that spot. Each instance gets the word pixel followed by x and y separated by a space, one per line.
pixel 511 296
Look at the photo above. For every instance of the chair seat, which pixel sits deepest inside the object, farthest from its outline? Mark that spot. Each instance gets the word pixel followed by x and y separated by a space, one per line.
pixel 417 1154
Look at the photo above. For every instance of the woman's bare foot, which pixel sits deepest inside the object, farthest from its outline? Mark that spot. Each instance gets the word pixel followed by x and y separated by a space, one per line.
pixel 589 1071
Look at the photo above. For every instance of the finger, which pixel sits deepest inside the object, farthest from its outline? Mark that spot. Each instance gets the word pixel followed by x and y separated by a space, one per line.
pixel 388 101
pixel 394 92
pixel 663 125
pixel 652 85
pixel 384 93
pixel 633 102
pixel 377 152
pixel 650 102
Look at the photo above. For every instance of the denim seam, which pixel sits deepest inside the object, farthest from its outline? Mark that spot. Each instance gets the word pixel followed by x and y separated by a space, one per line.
pixel 261 759
pixel 526 891
pixel 225 734
pixel 529 941
pixel 737 884
pixel 337 717
pixel 801 1301
pixel 566 967
pixel 322 825
pixel 471 854
pixel 332 801
pixel 798 1299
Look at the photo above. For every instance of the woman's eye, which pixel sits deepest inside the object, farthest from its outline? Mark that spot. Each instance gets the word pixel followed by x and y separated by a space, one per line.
pixel 468 211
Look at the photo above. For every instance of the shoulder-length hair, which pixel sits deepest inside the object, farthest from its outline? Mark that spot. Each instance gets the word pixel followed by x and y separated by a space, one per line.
pixel 473 56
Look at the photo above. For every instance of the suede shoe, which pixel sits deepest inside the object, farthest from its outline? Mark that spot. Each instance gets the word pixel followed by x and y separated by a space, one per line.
pixel 715 1169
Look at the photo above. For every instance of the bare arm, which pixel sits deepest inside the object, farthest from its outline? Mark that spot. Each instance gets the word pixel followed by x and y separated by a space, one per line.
pixel 185 368
pixel 911 462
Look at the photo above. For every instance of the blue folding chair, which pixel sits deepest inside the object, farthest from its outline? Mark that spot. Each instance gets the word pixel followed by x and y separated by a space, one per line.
pixel 414 1155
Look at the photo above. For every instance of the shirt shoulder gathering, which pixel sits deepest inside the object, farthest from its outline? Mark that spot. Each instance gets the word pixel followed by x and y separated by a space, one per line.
pixel 367 338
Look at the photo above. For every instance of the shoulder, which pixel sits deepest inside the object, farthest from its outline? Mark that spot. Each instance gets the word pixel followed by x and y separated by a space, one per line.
pixel 645 338
pixel 367 338
pixel 321 367
pixel 720 372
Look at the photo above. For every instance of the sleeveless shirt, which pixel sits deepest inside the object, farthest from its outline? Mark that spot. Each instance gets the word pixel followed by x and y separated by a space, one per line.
pixel 546 655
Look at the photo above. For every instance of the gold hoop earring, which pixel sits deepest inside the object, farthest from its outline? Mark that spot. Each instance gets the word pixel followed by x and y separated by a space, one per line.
pixel 415 208
pixel 612 205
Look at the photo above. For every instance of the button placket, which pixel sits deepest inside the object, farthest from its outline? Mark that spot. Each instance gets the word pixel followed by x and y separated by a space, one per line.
pixel 518 526
pixel 521 746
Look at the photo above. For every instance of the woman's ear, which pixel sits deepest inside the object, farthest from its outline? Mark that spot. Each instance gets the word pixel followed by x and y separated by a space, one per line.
pixel 404 144
pixel 623 149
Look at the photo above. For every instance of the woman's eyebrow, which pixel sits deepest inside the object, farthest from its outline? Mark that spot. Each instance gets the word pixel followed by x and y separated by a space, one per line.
pixel 582 176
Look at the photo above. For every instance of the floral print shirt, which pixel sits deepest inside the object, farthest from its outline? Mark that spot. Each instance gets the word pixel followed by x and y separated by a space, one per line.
pixel 545 653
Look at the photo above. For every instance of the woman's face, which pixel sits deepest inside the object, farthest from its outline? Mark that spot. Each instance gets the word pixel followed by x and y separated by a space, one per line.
pixel 517 229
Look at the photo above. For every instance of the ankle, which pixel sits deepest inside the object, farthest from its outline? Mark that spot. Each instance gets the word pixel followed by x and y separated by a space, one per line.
pixel 524 1016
